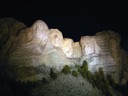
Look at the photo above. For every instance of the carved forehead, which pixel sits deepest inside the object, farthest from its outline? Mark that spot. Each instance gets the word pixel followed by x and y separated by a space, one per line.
pixel 86 39
pixel 68 41
pixel 40 24
pixel 55 33
pixel 83 38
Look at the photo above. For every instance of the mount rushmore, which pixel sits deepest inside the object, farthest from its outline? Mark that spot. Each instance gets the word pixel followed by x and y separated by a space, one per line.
pixel 27 53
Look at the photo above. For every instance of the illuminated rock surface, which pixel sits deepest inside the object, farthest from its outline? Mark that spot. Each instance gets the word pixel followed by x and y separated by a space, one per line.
pixel 68 47
pixel 29 50
pixel 76 50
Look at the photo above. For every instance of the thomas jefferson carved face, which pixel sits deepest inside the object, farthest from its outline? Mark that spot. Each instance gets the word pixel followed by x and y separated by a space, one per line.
pixel 56 37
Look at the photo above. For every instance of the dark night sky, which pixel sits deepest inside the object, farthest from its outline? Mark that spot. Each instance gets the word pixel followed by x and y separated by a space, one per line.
pixel 73 19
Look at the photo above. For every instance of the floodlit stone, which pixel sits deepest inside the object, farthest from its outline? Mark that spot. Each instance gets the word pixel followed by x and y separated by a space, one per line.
pixel 76 50
pixel 56 37
pixel 89 45
pixel 38 46
pixel 68 47
pixel 40 25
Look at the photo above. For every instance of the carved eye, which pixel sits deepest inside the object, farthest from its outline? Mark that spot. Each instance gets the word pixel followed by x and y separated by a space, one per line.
pixel 55 36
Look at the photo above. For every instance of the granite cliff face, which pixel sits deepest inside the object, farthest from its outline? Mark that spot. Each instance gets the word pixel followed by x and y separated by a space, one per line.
pixel 31 52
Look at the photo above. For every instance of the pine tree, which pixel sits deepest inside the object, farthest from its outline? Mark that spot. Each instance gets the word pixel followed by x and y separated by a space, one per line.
pixel 53 74
pixel 66 69
pixel 74 73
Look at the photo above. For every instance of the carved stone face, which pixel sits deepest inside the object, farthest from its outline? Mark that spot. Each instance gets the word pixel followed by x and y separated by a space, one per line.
pixel 41 31
pixel 68 47
pixel 56 38
pixel 38 34
pixel 76 50
pixel 88 45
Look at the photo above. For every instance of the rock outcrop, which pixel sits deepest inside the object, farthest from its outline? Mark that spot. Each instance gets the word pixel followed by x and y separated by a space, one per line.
pixel 111 40
pixel 31 52
pixel 9 29
pixel 76 50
